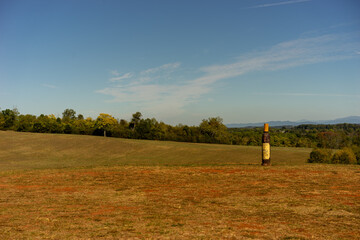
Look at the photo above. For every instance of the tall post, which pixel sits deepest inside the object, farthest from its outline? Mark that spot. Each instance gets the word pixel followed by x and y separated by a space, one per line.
pixel 266 146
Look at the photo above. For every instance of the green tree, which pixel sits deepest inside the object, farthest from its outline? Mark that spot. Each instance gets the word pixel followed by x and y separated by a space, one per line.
pixel 80 117
pixel 40 125
pixel 148 129
pixel 53 125
pixel 214 130
pixel 25 123
pixel 123 123
pixel 320 155
pixel 136 117
pixel 68 115
pixel 105 122
pixel 9 118
pixel 2 121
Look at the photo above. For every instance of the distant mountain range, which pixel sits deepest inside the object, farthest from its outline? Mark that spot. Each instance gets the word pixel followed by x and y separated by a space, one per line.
pixel 351 119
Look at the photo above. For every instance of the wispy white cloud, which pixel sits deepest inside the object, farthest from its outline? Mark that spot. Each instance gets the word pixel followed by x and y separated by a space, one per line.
pixel 171 97
pixel 279 3
pixel 145 91
pixel 49 86
pixel 119 78
pixel 165 67
pixel 162 99
pixel 285 55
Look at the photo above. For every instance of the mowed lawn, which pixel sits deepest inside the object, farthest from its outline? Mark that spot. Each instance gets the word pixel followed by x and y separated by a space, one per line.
pixel 85 187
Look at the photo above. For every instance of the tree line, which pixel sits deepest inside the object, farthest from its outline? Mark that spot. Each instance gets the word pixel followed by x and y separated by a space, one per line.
pixel 330 136
pixel 211 130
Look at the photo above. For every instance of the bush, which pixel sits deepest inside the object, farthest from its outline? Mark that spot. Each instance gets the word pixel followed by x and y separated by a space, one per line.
pixel 356 150
pixel 357 154
pixel 344 156
pixel 320 155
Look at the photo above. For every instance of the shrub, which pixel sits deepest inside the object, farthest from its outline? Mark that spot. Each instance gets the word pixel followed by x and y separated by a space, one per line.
pixel 320 155
pixel 344 156
pixel 358 157
pixel 356 150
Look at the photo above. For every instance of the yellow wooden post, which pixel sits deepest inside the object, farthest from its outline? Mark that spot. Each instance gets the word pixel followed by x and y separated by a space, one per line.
pixel 266 146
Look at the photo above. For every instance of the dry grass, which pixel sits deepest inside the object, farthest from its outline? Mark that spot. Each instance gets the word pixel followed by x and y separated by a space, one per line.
pixel 143 189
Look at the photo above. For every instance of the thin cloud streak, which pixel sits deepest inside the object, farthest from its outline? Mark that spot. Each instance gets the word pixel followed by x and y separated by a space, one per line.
pixel 125 76
pixel 165 67
pixel 279 3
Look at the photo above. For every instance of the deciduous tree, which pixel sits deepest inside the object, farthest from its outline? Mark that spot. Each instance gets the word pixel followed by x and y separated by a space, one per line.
pixel 68 114
pixel 136 117
pixel 9 117
pixel 105 121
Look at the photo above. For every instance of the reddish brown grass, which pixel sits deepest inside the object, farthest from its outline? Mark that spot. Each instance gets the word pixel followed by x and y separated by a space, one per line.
pixel 182 202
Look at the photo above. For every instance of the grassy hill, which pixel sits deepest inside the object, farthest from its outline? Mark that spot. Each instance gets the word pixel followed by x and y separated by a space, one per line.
pixel 35 150
pixel 84 187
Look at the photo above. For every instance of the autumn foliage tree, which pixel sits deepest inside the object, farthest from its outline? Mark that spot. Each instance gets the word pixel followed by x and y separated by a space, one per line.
pixel 105 122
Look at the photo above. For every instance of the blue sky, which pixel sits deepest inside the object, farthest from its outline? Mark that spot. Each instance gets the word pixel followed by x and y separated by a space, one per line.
pixel 182 61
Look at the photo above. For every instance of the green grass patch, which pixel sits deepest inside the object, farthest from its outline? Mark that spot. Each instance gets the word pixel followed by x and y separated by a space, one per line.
pixel 42 151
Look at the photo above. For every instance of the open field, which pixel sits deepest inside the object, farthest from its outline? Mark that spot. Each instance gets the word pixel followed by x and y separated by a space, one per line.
pixel 84 187
pixel 44 151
